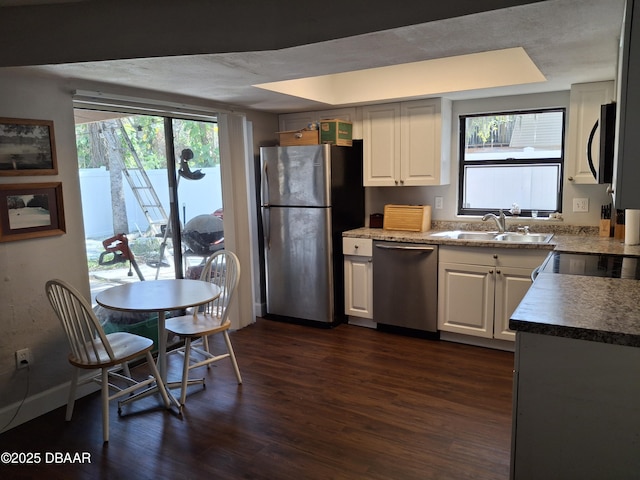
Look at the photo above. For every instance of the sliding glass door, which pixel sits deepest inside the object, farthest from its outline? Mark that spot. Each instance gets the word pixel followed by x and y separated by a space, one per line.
pixel 151 195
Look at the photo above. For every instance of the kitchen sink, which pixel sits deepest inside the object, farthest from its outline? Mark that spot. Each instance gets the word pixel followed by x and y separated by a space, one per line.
pixel 475 236
pixel 462 235
pixel 496 236
pixel 525 237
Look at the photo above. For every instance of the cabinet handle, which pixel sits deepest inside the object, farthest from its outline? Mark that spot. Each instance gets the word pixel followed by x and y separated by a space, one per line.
pixel 498 272
pixel 570 179
pixel 393 247
pixel 495 255
pixel 401 182
pixel 491 272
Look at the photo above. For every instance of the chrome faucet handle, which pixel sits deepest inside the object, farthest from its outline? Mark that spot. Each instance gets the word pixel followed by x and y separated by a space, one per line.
pixel 524 229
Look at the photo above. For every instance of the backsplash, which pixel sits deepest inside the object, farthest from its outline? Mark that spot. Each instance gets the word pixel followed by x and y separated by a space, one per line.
pixel 513 224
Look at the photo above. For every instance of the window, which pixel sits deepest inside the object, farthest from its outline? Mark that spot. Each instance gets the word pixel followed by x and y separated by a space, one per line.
pixel 131 184
pixel 511 157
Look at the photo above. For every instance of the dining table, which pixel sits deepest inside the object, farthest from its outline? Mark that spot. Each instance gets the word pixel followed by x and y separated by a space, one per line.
pixel 159 296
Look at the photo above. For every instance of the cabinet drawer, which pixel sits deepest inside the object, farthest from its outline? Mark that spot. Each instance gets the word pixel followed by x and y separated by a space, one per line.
pixel 357 246
pixel 503 257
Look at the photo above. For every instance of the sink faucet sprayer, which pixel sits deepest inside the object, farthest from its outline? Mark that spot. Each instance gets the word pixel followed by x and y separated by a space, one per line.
pixel 501 220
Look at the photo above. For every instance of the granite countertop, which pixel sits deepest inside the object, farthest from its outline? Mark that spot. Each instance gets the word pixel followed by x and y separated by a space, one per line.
pixel 585 308
pixel 573 306
pixel 567 241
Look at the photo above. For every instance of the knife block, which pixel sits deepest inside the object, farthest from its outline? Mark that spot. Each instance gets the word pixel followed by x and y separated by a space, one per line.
pixel 606 227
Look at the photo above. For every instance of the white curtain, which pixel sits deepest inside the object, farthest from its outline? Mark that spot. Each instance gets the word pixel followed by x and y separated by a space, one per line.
pixel 239 230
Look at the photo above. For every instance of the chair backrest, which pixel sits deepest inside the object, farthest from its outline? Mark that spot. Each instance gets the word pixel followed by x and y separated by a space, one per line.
pixel 223 269
pixel 84 332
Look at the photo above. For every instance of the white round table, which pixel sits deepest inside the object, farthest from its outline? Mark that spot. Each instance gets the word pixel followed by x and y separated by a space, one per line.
pixel 159 296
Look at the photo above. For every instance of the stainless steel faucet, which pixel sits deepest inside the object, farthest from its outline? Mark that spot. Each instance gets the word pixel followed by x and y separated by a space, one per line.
pixel 501 220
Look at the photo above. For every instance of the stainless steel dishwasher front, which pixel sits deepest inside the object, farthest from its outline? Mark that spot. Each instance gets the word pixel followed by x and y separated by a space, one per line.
pixel 405 285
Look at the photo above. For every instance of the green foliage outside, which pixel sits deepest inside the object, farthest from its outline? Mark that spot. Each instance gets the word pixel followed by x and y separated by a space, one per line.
pixel 492 129
pixel 146 134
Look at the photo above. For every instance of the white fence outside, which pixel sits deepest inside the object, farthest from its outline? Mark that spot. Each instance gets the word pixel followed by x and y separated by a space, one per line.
pixel 194 198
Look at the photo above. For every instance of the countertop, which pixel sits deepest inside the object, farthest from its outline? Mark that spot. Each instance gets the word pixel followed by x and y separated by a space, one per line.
pixel 588 308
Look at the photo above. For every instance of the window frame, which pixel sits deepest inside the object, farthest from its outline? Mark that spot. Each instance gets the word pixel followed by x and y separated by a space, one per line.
pixel 462 163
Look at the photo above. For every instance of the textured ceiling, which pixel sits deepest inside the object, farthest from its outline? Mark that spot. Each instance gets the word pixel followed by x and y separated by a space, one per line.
pixel 570 41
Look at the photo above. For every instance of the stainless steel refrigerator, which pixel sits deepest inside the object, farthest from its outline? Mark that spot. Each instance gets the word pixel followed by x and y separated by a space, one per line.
pixel 309 196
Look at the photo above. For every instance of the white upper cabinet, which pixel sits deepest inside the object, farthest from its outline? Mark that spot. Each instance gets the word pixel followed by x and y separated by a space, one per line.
pixel 381 137
pixel 584 111
pixel 407 143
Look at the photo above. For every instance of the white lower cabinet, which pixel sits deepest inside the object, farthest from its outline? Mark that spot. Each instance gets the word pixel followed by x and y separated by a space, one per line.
pixel 358 277
pixel 479 288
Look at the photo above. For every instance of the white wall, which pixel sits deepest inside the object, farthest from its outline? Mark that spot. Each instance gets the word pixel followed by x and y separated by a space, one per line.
pixel 26 318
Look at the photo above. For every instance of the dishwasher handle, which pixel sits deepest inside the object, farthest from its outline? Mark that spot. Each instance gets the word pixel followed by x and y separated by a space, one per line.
pixel 404 247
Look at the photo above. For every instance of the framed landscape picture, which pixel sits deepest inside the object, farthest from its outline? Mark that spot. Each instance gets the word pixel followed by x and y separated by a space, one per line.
pixel 27 147
pixel 31 210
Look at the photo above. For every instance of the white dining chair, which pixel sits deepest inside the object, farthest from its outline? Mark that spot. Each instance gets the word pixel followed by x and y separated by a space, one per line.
pixel 223 269
pixel 91 348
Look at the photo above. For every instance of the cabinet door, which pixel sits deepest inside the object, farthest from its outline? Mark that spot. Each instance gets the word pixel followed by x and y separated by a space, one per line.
pixel 584 111
pixel 626 170
pixel 358 285
pixel 465 299
pixel 421 158
pixel 511 286
pixel 381 135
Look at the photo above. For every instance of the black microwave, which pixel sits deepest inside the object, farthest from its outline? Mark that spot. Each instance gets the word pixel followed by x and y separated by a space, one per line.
pixel 607 124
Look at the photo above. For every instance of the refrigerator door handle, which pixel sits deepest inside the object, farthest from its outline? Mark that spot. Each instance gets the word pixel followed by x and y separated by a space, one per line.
pixel 265 185
pixel 266 225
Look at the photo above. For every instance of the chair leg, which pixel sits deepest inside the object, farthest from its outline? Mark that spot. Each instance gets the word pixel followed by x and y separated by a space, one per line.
pixel 105 405
pixel 72 394
pixel 232 356
pixel 161 387
pixel 205 344
pixel 185 370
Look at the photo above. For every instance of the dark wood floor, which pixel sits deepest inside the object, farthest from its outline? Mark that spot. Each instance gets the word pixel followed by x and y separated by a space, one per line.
pixel 346 403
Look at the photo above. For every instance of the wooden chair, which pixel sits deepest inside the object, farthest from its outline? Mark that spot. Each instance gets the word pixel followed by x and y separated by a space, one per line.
pixel 223 269
pixel 91 348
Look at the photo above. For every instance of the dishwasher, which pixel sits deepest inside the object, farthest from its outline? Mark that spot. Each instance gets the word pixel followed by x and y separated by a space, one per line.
pixel 405 285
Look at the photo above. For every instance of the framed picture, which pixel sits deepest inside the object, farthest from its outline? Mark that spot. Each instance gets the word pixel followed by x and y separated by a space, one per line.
pixel 27 147
pixel 31 210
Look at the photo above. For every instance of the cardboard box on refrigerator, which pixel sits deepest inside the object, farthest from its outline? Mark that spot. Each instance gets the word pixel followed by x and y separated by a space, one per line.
pixel 338 132
pixel 298 137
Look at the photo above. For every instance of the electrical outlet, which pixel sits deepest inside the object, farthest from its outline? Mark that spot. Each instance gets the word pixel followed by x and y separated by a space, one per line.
pixel 23 358
pixel 439 202
pixel 580 204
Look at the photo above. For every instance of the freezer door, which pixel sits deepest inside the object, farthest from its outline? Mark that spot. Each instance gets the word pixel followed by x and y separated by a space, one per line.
pixel 298 263
pixel 296 176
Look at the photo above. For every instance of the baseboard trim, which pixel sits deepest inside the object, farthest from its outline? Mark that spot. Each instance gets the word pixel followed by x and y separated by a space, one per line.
pixel 41 403
pixel 478 341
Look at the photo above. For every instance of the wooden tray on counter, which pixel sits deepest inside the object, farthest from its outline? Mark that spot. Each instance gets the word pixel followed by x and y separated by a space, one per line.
pixel 410 218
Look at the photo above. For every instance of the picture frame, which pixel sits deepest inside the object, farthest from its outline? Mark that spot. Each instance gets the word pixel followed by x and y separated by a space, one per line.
pixel 31 210
pixel 27 147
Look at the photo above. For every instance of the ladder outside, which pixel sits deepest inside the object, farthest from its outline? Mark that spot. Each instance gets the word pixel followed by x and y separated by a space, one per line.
pixel 143 190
